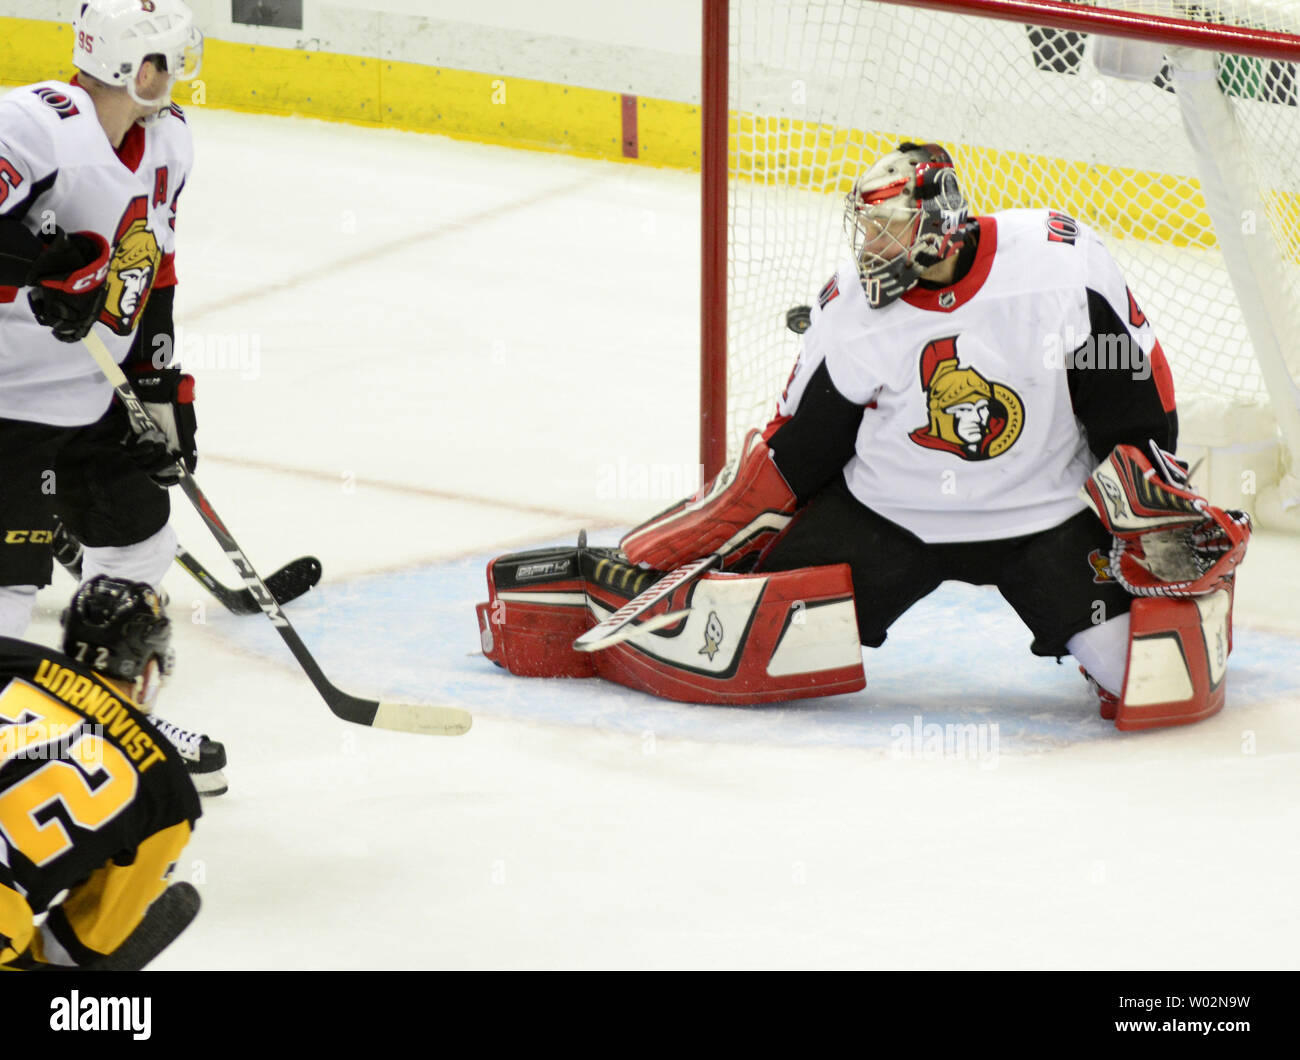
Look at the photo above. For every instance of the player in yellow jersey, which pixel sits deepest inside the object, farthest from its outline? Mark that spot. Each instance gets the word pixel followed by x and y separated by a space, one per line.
pixel 96 804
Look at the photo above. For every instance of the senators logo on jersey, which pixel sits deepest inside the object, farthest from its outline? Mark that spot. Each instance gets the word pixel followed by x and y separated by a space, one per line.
pixel 970 416
pixel 132 270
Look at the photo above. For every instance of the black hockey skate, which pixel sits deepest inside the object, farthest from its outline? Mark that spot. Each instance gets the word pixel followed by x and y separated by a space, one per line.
pixel 204 758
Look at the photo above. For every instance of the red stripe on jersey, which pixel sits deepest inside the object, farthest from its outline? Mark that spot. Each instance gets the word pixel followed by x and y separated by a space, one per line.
pixel 166 272
pixel 968 286
pixel 777 423
pixel 1135 315
pixel 8 294
pixel 1163 377
pixel 132 149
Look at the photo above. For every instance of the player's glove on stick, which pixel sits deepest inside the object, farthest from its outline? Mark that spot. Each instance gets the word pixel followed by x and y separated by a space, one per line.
pixel 168 397
pixel 735 515
pixel 1169 540
pixel 67 283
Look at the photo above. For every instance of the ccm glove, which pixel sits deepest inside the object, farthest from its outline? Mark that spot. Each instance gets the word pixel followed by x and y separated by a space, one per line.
pixel 168 396
pixel 67 283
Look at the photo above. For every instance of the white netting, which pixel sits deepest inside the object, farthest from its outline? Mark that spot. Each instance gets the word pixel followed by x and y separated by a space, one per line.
pixel 820 89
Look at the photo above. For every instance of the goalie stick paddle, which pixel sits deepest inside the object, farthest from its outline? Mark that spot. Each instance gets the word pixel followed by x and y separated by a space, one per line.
pixel 382 714
pixel 288 583
pixel 619 626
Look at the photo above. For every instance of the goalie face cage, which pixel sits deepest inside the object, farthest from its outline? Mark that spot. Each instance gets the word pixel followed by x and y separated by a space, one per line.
pixel 1197 196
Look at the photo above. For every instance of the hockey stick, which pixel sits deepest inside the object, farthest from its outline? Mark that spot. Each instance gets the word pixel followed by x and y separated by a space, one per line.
pixel 404 717
pixel 631 632
pixel 288 583
pixel 614 630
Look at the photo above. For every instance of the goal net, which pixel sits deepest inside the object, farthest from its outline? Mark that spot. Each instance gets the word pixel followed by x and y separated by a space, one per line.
pixel 1033 115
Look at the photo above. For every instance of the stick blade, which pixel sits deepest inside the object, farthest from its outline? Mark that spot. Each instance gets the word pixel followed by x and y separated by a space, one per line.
pixel 293 579
pixel 423 718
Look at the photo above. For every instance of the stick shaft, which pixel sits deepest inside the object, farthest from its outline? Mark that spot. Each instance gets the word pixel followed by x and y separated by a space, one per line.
pixel 602 634
pixel 409 717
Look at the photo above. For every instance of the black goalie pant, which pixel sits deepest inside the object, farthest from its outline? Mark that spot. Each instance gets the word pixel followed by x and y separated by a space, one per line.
pixel 83 476
pixel 1056 580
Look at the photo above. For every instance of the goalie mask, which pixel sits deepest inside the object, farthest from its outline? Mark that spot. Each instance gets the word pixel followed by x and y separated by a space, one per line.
pixel 113 38
pixel 904 215
pixel 118 628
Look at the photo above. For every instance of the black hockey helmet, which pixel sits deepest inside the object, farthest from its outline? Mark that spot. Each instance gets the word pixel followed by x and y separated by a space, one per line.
pixel 115 627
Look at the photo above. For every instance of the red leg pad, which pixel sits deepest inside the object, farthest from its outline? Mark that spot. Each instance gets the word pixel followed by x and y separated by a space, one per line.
pixel 1177 661
pixel 530 631
pixel 754 638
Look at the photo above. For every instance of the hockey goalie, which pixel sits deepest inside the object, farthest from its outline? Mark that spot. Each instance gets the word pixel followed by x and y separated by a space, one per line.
pixel 978 399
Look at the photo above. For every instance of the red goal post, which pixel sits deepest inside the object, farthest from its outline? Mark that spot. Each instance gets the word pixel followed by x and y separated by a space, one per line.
pixel 757 146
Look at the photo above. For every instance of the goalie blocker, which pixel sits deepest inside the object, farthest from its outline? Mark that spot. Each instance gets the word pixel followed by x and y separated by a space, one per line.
pixel 752 638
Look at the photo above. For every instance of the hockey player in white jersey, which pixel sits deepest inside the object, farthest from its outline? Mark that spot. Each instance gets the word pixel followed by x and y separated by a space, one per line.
pixel 90 176
pixel 967 390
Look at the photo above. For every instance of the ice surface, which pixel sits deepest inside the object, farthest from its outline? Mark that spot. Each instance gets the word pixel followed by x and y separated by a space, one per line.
pixel 414 354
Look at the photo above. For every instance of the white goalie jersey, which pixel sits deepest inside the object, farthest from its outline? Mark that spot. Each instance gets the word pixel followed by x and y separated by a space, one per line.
pixel 974 425
pixel 57 167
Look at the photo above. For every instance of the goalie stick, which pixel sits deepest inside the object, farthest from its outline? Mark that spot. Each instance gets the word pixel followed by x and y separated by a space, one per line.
pixel 382 714
pixel 615 629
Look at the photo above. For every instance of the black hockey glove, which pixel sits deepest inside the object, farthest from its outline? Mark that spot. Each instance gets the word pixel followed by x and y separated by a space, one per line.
pixel 168 396
pixel 67 283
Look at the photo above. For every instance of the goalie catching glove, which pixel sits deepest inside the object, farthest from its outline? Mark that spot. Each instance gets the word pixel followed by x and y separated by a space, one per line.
pixel 1169 540
pixel 735 516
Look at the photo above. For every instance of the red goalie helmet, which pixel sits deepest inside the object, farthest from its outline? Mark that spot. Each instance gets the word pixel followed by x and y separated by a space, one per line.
pixel 905 214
